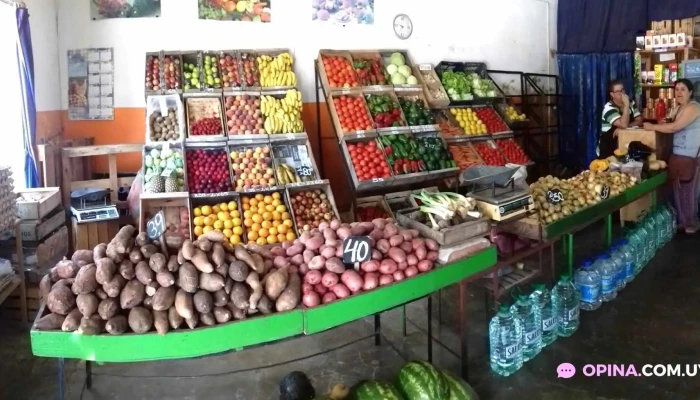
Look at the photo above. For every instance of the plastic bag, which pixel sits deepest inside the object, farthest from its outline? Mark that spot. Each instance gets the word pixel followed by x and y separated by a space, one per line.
pixel 520 176
pixel 134 197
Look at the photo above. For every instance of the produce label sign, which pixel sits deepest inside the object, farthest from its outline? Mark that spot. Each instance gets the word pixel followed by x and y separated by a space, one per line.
pixel 356 249
pixel 156 226
pixel 90 84
pixel 605 192
pixel 555 196
pixel 236 10
pixel 106 9
pixel 343 12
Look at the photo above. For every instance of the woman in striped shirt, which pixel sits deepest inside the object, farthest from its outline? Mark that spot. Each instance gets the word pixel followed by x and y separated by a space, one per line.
pixel 684 164
pixel 620 113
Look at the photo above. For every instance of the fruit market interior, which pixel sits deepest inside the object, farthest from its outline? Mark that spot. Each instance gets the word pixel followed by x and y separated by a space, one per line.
pixel 238 198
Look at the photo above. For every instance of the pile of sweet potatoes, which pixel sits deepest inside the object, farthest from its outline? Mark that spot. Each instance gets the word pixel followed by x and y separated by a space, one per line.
pixel 130 285
pixel 397 254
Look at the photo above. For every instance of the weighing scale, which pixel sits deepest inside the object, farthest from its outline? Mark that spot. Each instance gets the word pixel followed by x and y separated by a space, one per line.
pixel 500 204
pixel 92 205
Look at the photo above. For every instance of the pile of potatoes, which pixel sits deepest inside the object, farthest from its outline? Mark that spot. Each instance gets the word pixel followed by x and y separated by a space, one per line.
pixel 397 254
pixel 130 285
pixel 580 191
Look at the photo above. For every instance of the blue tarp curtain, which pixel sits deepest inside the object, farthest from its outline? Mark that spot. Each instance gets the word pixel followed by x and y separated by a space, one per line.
pixel 672 9
pixel 26 68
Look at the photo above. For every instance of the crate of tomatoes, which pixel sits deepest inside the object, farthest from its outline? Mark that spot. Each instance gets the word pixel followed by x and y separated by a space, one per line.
pixel 366 162
pixel 513 152
pixel 489 153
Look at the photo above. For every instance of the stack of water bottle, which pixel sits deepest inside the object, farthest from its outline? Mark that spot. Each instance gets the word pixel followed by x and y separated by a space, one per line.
pixel 518 333
pixel 601 279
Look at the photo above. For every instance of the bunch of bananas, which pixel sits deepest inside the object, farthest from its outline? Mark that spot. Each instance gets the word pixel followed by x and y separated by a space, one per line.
pixel 276 71
pixel 282 115
pixel 287 175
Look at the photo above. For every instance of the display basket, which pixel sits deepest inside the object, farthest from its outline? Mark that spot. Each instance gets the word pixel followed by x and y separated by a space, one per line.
pixel 274 53
pixel 204 106
pixel 468 68
pixel 156 74
pixel 368 56
pixel 487 175
pixel 173 86
pixel 447 236
pixel 231 71
pixel 162 105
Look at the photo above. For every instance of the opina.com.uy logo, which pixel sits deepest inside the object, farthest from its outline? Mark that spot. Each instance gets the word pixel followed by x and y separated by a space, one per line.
pixel 568 370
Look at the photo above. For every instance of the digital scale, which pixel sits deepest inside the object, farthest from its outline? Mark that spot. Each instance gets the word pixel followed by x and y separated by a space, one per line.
pixel 500 204
pixel 92 205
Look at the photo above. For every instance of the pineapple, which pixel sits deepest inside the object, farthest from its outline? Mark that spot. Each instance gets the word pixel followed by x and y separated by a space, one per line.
pixel 158 184
pixel 171 184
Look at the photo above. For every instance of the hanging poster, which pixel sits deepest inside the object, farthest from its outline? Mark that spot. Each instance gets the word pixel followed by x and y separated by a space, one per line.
pixel 106 9
pixel 91 84
pixel 236 10
pixel 343 12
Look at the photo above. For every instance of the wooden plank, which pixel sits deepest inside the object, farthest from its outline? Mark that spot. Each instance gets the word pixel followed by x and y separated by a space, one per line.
pixel 66 180
pixel 102 232
pixel 101 183
pixel 113 177
pixel 93 238
pixel 16 302
pixel 80 233
pixel 102 150
pixel 15 314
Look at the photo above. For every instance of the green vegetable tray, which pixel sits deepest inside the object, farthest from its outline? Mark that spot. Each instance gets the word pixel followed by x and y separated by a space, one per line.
pixel 467 68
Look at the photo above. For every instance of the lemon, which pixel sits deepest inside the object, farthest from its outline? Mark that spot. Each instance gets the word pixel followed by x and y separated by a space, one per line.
pixel 215 209
pixel 257 218
pixel 285 215
pixel 271 239
pixel 228 233
pixel 282 228
pixel 248 222
pixel 252 235
pixel 281 208
pixel 276 202
pixel 218 225
pixel 198 231
pixel 228 224
pixel 209 221
pixel 259 197
pixel 266 224
pixel 236 222
pixel 275 195
pixel 270 208
pixel 235 239
pixel 454 111
pixel 223 207
pixel 206 210
pixel 288 222
pixel 276 223
pixel 197 212
pixel 222 216
pixel 267 216
pixel 207 229
pixel 272 231
pixel 261 241
pixel 235 214
pixel 232 206
pixel 256 227
pixel 276 215
pixel 198 221
pixel 237 230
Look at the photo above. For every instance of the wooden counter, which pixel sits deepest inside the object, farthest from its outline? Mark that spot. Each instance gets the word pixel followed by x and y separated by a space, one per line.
pixel 663 144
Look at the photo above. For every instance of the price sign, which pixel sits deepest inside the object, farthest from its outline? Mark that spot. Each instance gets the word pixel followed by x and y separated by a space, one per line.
pixel 425 67
pixel 360 134
pixel 167 172
pixel 345 91
pixel 605 193
pixel 356 249
pixel 304 171
pixel 555 196
pixel 156 226
pixel 377 180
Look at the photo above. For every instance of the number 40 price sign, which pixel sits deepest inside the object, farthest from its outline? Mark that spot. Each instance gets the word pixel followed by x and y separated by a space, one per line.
pixel 356 249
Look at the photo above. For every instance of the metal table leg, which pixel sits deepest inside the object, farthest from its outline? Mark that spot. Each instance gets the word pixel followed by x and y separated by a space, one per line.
pixel 608 230
pixel 61 380
pixel 464 350
pixel 430 329
pixel 88 374
pixel 569 246
pixel 403 320
pixel 377 329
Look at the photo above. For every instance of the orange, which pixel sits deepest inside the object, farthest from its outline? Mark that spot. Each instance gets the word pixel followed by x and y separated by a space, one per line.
pixel 263 232
pixel 267 216
pixel 281 208
pixel 252 235
pixel 283 228
pixel 276 223
pixel 272 231
pixel 253 202
pixel 270 208
pixel 285 215
pixel 254 210
pixel 256 227
pixel 219 225
pixel 209 221
pixel 268 199
pixel 288 222
pixel 276 215
pixel 198 231
pixel 206 210
pixel 247 214
pixel 266 224
pixel 248 222
pixel 281 237
pixel 257 218
pixel 276 202
pixel 246 207
pixel 244 200
pixel 291 236
pixel 259 197
pixel 271 239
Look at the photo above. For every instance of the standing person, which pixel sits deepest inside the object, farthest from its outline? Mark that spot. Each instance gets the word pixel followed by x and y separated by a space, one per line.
pixel 684 164
pixel 620 112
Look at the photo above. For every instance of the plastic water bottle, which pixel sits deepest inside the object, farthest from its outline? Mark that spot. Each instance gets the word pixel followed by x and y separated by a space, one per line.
pixel 587 282
pixel 645 241
pixel 541 298
pixel 531 321
pixel 565 299
pixel 505 336
pixel 660 227
pixel 650 227
pixel 619 262
pixel 606 269
pixel 637 250
pixel 674 220
pixel 628 259
pixel 670 223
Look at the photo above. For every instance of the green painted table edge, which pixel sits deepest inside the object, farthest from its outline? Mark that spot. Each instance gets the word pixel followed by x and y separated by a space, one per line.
pixel 176 344
pixel 329 316
pixel 604 208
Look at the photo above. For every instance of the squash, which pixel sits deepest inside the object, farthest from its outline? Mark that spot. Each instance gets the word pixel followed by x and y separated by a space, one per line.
pixel 599 165
pixel 654 165
pixel 620 153
pixel 652 157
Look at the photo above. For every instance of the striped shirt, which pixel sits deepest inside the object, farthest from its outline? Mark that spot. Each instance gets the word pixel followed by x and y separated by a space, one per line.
pixel 611 114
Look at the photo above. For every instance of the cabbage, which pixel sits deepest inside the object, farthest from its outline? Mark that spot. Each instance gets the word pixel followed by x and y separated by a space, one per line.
pixel 398 79
pixel 391 69
pixel 397 59
pixel 155 153
pixel 467 97
pixel 412 80
pixel 405 70
pixel 491 93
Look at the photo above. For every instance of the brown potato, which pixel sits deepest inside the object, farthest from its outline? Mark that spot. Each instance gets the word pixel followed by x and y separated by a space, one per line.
pixel 158 262
pixel 188 278
pixel 173 264
pixel 207 319
pixel 116 325
pixel 174 318
pixel 140 320
pixel 49 322
pixel 115 286
pixel 87 304
pixel 151 288
pixel 238 271
pixel 85 280
pixel 164 298
pixel 144 273
pixel 222 314
pixel 126 270
pixel 105 270
pixel 165 278
pixel 211 282
pixel 82 257
pixel 90 325
pixel 220 298
pixel 60 300
pixel 160 321
pixel 203 301
pixel 240 296
pixel 132 295
pixel 108 308
pixel 72 321
pixel 99 251
pixel 184 304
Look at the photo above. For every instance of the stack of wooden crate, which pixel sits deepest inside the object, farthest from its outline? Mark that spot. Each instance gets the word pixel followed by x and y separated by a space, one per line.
pixel 689 26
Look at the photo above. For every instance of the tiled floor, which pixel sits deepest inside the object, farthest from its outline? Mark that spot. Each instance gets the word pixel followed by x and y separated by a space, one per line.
pixel 653 321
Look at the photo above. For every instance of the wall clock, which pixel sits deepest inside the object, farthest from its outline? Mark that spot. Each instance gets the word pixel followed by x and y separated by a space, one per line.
pixel 403 27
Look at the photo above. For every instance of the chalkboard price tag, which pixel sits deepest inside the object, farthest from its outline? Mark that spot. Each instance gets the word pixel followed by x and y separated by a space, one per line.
pixel 304 171
pixel 356 249
pixel 156 226
pixel 605 192
pixel 555 196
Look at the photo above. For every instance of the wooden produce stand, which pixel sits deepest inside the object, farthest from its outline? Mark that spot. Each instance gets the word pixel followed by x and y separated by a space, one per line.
pixel 663 144
pixel 17 280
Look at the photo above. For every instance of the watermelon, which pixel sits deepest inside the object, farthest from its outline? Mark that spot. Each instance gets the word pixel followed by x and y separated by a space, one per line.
pixel 419 380
pixel 374 390
pixel 458 391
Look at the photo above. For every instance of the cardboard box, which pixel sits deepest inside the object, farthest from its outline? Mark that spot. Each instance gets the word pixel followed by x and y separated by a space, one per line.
pixel 681 40
pixel 640 43
pixel 662 27
pixel 648 42
pixel 656 41
pixel 664 41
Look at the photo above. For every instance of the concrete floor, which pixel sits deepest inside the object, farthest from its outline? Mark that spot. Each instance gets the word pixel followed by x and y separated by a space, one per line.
pixel 653 321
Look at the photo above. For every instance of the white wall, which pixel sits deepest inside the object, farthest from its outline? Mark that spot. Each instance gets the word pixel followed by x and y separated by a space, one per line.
pixel 42 22
pixel 507 34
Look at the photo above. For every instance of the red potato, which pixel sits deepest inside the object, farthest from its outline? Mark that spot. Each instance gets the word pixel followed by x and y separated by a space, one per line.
pixel 432 245
pixel 395 240
pixel 425 266
pixel 308 256
pixel 402 265
pixel 417 242
pixel 329 279
pixel 357 230
pixel 329 234
pixel 295 250
pixel 317 262
pixel 398 276
pixel 383 246
pixel 414 232
pixel 352 280
pixel 286 245
pixel 335 265
pixel 421 253
pixel 376 255
pixel 314 243
pixel 388 266
pixel 280 262
pixel 432 255
pixel 343 233
pixel 371 281
pixel 410 271
pixel 329 297
pixel 313 277
pixel 335 224
pixel 306 287
pixel 303 269
pixel 341 291
pixel 278 251
pixel 386 280
pixel 339 251
pixel 367 226
pixel 323 226
pixel 406 235
pixel 396 254
pixel 297 260
pixel 411 259
pixel 390 230
pixel 406 247
pixel 376 235
pixel 305 237
pixel 370 266
pixel 320 289
pixel 311 299
pixel 379 223
pixel 329 252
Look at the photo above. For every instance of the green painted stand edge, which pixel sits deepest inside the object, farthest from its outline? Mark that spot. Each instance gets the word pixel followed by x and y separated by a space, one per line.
pixel 176 344
pixel 604 208
pixel 328 316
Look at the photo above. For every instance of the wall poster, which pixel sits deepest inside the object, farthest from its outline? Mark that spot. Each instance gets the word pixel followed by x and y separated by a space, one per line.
pixel 236 10
pixel 106 9
pixel 91 84
pixel 343 12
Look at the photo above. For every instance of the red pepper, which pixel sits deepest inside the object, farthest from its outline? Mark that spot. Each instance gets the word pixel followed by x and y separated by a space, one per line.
pixel 406 167
pixel 397 167
pixel 414 167
pixel 388 151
